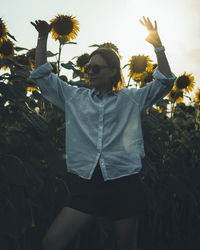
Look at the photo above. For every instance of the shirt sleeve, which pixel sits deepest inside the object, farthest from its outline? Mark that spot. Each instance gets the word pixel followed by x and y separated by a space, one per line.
pixel 51 86
pixel 153 91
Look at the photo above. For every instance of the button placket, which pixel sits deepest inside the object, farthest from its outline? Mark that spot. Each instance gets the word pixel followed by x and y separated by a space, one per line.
pixel 100 126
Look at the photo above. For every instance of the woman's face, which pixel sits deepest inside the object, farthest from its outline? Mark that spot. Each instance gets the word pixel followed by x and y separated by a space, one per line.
pixel 99 76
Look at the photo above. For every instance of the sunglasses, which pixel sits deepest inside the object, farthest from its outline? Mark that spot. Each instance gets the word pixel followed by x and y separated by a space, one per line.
pixel 95 68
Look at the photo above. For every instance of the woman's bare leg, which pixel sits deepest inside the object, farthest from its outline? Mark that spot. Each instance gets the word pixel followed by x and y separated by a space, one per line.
pixel 126 233
pixel 65 226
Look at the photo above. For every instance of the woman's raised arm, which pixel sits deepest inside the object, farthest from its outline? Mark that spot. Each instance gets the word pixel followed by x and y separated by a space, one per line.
pixel 43 29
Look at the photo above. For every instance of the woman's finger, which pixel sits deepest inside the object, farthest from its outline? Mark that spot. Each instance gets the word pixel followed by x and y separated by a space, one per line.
pixel 148 20
pixel 155 25
pixel 149 23
pixel 33 24
pixel 141 22
pixel 145 20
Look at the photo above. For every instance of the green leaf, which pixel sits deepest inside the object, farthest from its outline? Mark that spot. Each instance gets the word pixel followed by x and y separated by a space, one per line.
pixel 70 43
pixel 50 54
pixel 162 103
pixel 9 62
pixel 74 75
pixel 70 65
pixel 94 45
pixel 20 48
pixel 22 73
pixel 11 36
pixel 64 78
pixel 5 62
pixel 125 65
pixel 74 57
pixel 18 90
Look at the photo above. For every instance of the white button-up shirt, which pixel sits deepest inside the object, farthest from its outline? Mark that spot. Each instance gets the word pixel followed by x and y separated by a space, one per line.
pixel 107 130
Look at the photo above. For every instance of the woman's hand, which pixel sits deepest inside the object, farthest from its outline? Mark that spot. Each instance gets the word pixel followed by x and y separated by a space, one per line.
pixel 153 37
pixel 42 27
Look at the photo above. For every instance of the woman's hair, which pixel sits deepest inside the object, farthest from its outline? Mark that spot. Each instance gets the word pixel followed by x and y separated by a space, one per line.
pixel 113 61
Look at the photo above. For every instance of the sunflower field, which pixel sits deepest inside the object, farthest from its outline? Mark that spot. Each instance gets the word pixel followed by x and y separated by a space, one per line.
pixel 32 153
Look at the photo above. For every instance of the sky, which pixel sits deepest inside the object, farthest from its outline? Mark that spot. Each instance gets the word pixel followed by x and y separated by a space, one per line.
pixel 116 21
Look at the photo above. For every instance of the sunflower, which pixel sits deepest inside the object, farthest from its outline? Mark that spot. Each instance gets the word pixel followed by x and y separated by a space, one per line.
pixel 139 65
pixel 197 97
pixel 148 76
pixel 185 82
pixel 82 60
pixel 65 28
pixel 3 30
pixel 110 46
pixel 175 96
pixel 7 49
pixel 107 45
pixel 145 78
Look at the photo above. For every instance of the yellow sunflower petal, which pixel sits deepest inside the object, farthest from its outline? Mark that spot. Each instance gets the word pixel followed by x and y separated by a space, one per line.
pixel 3 30
pixel 185 82
pixel 139 65
pixel 197 97
pixel 65 28
pixel 175 96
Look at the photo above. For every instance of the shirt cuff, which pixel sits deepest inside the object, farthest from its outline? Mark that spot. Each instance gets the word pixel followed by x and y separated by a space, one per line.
pixel 41 71
pixel 158 75
pixel 168 81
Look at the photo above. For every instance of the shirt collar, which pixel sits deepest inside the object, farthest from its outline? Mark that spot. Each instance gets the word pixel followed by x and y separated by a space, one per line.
pixel 96 92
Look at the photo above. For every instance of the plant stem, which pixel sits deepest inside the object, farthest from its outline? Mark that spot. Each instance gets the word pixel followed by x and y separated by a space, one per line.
pixel 129 81
pixel 172 110
pixel 59 55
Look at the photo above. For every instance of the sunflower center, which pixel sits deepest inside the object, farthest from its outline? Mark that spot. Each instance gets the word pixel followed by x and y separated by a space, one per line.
pixel 139 64
pixel 183 82
pixel 82 60
pixel 6 48
pixel 63 26
pixel 176 94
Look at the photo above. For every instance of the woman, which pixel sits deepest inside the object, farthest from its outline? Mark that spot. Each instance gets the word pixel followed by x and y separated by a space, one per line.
pixel 104 143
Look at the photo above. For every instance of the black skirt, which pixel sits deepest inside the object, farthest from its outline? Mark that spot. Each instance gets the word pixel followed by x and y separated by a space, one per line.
pixel 114 199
